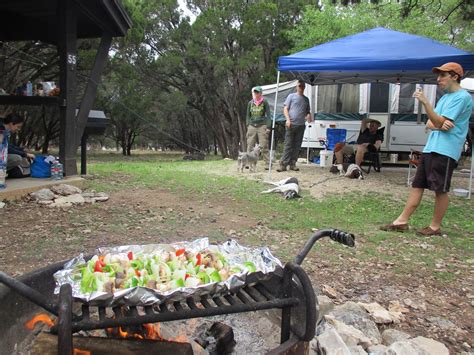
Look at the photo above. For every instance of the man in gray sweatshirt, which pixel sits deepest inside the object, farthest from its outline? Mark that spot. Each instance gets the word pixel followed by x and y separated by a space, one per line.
pixel 296 110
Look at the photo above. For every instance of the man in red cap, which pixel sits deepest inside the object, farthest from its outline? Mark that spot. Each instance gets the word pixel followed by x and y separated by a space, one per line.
pixel 449 123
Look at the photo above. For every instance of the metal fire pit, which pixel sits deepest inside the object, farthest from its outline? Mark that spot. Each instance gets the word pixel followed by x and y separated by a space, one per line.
pixel 289 290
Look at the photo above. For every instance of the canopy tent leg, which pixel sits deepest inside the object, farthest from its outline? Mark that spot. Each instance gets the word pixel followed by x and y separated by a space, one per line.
pixel 271 154
pixel 470 175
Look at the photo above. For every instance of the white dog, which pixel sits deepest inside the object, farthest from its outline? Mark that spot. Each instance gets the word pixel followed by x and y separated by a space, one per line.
pixel 248 159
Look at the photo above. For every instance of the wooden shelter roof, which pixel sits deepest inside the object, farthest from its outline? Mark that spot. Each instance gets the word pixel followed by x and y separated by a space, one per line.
pixel 22 20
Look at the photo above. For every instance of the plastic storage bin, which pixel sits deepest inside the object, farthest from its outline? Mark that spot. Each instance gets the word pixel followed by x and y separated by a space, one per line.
pixel 325 158
pixel 335 135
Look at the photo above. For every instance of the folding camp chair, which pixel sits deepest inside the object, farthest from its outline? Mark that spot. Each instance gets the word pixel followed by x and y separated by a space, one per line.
pixel 372 159
pixel 413 162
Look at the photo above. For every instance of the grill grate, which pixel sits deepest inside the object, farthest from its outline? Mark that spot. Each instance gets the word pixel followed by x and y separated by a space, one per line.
pixel 250 298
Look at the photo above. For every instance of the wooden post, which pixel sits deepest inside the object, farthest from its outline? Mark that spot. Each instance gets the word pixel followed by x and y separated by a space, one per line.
pixel 91 89
pixel 67 48
pixel 84 154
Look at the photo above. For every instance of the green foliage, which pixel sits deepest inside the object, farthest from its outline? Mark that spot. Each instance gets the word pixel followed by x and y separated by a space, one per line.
pixel 442 21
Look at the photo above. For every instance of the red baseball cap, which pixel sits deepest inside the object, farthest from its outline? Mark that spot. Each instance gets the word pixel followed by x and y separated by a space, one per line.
pixel 451 66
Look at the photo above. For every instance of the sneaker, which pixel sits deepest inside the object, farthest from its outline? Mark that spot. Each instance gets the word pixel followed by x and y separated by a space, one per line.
pixel 395 227
pixel 294 168
pixel 281 168
pixel 427 231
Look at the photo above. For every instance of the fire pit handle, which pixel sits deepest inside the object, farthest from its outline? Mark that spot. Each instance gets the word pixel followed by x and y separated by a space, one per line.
pixel 334 234
pixel 29 293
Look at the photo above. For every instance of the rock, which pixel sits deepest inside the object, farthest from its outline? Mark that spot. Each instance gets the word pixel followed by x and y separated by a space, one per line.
pixel 350 335
pixel 43 195
pixel 75 199
pixel 330 343
pixel 61 204
pixel 91 197
pixel 390 336
pixel 351 313
pixel 101 197
pixel 404 348
pixel 442 323
pixel 65 190
pixel 395 306
pixel 376 349
pixel 357 350
pixel 430 346
pixel 313 346
pixel 45 202
pixel 329 291
pixel 325 306
pixel 2 204
pixel 377 312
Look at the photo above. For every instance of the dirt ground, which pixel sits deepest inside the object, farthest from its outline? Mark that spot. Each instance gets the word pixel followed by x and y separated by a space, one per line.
pixel 34 236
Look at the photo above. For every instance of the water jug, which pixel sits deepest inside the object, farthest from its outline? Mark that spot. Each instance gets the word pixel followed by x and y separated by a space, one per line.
pixel 56 170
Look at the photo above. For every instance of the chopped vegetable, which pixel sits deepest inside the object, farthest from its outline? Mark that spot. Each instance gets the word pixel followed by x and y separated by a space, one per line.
pixel 163 271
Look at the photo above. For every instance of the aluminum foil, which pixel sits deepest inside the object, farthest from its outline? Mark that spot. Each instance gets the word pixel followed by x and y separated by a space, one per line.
pixel 234 253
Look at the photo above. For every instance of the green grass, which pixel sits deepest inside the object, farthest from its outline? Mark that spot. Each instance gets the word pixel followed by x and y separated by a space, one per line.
pixel 358 214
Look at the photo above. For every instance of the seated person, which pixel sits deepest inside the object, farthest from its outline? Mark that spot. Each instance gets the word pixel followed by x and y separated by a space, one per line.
pixel 370 139
pixel 17 157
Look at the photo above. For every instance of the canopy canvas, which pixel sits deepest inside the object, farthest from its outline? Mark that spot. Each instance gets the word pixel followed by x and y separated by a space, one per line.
pixel 376 55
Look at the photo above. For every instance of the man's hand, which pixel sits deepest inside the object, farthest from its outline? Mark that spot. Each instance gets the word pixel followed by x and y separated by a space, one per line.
pixel 447 125
pixel 418 94
pixel 309 118
pixel 288 123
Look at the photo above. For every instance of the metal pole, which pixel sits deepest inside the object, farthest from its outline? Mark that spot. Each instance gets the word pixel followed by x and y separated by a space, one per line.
pixel 65 343
pixel 307 131
pixel 84 154
pixel 273 127
pixel 472 172
pixel 29 293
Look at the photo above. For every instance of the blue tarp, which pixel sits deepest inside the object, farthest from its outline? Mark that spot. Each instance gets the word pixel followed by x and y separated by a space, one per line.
pixel 375 55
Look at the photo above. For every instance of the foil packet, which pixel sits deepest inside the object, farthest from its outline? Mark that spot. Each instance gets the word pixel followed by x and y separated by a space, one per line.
pixel 233 253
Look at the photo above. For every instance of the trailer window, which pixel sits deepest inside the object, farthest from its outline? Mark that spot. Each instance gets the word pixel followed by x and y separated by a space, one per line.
pixel 379 97
pixel 340 98
pixel 406 101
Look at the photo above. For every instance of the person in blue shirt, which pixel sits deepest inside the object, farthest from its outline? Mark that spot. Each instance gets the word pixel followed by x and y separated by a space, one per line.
pixel 449 123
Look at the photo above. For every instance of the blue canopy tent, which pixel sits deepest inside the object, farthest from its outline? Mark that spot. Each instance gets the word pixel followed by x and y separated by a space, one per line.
pixel 376 55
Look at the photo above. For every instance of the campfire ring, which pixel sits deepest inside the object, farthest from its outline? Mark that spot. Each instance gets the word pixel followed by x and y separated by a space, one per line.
pixel 289 289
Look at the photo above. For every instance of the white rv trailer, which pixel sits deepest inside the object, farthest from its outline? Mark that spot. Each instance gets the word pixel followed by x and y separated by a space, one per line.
pixel 391 104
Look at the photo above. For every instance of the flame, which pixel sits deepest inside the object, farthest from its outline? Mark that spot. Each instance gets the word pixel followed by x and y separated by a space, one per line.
pixel 80 352
pixel 43 317
pixel 122 333
pixel 152 332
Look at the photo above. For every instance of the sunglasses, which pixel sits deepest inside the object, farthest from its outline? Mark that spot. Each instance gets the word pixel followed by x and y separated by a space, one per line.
pixel 301 85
